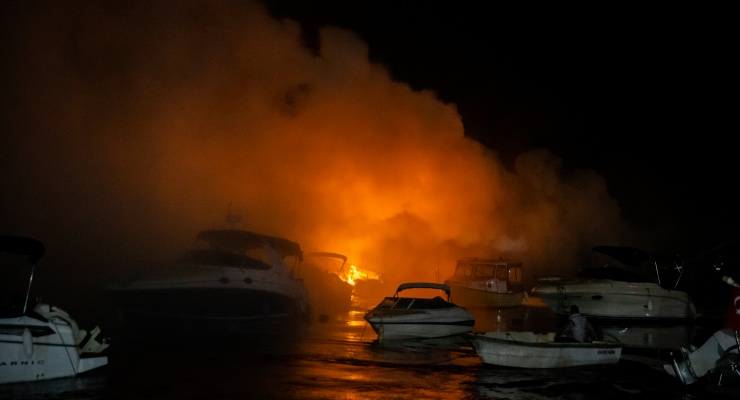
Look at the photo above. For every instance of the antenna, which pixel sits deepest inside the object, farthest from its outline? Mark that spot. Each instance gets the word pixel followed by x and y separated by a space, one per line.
pixel 233 220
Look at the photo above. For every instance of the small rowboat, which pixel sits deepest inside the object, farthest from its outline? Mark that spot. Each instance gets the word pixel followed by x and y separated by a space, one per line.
pixel 534 350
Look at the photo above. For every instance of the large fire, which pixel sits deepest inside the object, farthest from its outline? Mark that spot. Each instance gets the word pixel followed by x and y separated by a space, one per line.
pixel 355 273
pixel 144 133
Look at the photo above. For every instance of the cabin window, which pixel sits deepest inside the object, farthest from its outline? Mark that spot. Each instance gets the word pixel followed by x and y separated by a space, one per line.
pixel 485 271
pixel 515 275
pixel 258 257
pixel 516 279
pixel 502 273
pixel 211 257
pixel 465 270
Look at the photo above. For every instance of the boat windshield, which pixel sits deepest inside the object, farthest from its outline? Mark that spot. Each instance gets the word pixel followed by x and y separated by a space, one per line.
pixel 223 258
pixel 613 273
pixel 411 303
pixel 464 270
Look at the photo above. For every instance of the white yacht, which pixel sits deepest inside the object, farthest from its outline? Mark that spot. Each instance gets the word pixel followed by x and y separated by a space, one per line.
pixel 40 341
pixel 232 281
pixel 633 285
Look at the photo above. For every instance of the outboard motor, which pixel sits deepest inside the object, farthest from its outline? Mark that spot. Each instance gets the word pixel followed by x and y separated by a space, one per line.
pixel 718 359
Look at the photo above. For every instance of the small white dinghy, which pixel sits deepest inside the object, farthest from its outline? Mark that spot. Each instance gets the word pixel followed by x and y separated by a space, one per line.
pixel 540 350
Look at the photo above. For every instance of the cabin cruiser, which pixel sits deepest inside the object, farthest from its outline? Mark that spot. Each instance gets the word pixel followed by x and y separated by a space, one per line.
pixel 41 341
pixel 232 282
pixel 403 318
pixel 480 282
pixel 633 285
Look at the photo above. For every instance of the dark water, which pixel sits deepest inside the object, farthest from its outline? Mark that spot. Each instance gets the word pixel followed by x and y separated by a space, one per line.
pixel 339 358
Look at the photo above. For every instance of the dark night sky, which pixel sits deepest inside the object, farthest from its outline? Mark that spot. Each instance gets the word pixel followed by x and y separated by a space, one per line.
pixel 642 95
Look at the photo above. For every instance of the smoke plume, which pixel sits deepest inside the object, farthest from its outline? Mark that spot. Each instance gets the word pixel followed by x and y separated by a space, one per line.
pixel 130 126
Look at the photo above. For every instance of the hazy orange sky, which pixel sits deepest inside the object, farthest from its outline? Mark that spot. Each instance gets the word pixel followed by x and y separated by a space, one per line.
pixel 138 125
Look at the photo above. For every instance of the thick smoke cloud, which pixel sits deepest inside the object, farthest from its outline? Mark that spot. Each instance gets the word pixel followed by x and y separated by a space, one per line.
pixel 130 126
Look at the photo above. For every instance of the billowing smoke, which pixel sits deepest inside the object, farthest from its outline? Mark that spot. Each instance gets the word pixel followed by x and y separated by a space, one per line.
pixel 130 126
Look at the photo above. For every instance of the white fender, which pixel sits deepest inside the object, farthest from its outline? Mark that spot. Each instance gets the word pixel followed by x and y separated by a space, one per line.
pixel 27 342
pixel 54 314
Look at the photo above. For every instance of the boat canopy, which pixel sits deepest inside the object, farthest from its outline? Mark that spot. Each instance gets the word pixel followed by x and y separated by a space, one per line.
pixel 240 239
pixel 613 273
pixel 632 256
pixel 326 254
pixel 22 246
pixel 665 270
pixel 424 285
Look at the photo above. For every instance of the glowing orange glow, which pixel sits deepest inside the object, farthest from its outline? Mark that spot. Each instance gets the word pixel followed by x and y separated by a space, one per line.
pixel 355 273
pixel 324 149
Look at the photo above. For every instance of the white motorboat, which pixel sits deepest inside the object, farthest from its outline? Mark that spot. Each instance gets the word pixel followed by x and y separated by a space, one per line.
pixel 494 283
pixel 402 318
pixel 232 281
pixel 540 350
pixel 41 342
pixel 634 285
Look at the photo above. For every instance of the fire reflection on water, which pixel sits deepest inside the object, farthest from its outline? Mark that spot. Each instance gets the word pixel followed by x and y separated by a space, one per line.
pixel 340 358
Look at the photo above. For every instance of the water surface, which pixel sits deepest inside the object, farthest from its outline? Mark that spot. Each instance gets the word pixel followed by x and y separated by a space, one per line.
pixel 338 357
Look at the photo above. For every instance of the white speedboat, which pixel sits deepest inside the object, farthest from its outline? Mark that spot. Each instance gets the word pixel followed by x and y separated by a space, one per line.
pixel 540 350
pixel 402 318
pixel 41 342
pixel 633 285
pixel 494 283
pixel 233 281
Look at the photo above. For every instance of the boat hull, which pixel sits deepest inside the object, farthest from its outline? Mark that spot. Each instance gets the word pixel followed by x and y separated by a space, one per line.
pixel 617 300
pixel 187 311
pixel 530 350
pixel 423 325
pixel 33 350
pixel 470 297
pixel 232 281
pixel 651 336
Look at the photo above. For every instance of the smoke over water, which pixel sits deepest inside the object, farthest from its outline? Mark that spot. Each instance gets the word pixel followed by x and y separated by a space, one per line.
pixel 131 126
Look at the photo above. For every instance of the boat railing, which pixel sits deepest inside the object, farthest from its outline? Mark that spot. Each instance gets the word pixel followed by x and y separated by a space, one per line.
pixel 423 285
